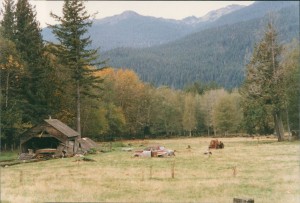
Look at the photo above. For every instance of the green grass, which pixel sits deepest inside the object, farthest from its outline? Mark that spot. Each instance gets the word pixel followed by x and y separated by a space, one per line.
pixel 8 155
pixel 267 171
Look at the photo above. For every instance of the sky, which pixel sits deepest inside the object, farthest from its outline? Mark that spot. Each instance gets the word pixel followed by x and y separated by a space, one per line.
pixel 165 9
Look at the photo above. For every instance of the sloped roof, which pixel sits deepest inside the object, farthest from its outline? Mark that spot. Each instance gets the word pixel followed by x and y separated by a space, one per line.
pixel 63 128
pixel 86 143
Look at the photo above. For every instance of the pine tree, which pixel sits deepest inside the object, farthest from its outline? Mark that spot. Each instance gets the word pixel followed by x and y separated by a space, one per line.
pixel 8 20
pixel 264 81
pixel 28 36
pixel 29 43
pixel 72 34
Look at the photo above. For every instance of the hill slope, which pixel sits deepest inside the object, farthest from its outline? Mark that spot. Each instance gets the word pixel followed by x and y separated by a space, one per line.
pixel 217 54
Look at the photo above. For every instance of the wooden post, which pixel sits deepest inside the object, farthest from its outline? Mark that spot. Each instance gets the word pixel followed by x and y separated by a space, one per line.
pixel 21 177
pixel 143 175
pixel 243 200
pixel 234 171
pixel 173 170
pixel 150 172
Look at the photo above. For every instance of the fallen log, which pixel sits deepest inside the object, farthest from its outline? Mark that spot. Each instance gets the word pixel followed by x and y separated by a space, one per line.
pixel 5 164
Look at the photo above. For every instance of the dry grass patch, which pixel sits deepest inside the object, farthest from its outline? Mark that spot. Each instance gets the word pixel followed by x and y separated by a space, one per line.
pixel 266 170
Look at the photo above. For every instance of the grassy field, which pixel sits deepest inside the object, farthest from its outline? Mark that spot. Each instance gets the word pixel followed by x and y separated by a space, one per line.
pixel 266 171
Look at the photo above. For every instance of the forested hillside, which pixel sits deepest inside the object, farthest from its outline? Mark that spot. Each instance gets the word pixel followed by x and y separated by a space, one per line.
pixel 256 10
pixel 216 54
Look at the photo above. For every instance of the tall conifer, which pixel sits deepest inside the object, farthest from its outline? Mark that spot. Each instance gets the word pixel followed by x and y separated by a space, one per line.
pixel 8 20
pixel 264 81
pixel 29 43
pixel 78 57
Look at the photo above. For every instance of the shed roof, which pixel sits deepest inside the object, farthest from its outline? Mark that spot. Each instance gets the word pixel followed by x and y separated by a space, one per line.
pixel 63 128
pixel 86 143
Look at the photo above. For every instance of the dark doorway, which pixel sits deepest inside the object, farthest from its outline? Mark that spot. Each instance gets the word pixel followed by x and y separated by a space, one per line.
pixel 40 143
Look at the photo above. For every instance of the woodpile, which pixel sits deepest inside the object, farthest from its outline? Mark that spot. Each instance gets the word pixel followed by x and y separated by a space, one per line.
pixel 26 156
pixel 45 153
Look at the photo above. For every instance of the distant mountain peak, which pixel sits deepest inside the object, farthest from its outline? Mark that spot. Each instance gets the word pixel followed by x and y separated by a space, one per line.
pixel 212 15
pixel 215 14
pixel 118 18
pixel 191 20
pixel 128 13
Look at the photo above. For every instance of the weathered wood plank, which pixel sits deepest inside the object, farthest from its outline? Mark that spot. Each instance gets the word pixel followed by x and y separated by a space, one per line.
pixel 243 200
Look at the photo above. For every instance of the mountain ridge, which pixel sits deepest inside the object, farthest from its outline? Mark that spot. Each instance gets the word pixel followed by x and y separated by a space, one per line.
pixel 140 31
pixel 216 54
pixel 170 52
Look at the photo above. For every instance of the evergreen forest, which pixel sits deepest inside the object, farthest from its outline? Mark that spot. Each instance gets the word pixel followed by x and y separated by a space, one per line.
pixel 217 54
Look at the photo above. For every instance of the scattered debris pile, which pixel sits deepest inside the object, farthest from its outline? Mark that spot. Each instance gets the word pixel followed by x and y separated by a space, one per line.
pixel 26 156
pixel 154 151
pixel 45 153
pixel 216 144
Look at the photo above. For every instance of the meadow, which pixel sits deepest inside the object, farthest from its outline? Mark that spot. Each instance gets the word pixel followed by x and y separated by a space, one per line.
pixel 262 169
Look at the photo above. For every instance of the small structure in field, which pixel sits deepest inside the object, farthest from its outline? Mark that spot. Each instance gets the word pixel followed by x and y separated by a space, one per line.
pixel 53 138
pixel 216 144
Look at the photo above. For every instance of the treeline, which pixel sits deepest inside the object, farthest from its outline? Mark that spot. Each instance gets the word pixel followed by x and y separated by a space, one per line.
pixel 130 108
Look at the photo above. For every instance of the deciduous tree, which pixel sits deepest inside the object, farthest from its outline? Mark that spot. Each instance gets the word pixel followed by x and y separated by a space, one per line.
pixel 291 67
pixel 11 73
pixel 189 121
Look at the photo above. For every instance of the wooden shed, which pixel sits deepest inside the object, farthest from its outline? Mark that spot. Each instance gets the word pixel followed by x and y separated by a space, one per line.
pixel 51 134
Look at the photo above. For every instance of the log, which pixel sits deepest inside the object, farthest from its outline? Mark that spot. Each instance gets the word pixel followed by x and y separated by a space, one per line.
pixel 5 164
pixel 243 200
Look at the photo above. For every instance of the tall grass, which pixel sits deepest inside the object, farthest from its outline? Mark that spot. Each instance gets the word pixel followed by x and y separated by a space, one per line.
pixel 266 171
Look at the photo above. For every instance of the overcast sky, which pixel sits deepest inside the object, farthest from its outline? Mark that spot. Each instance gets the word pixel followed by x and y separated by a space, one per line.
pixel 166 9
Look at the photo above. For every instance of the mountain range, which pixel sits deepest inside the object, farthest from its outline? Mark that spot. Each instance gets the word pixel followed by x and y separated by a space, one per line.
pixel 130 29
pixel 176 53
